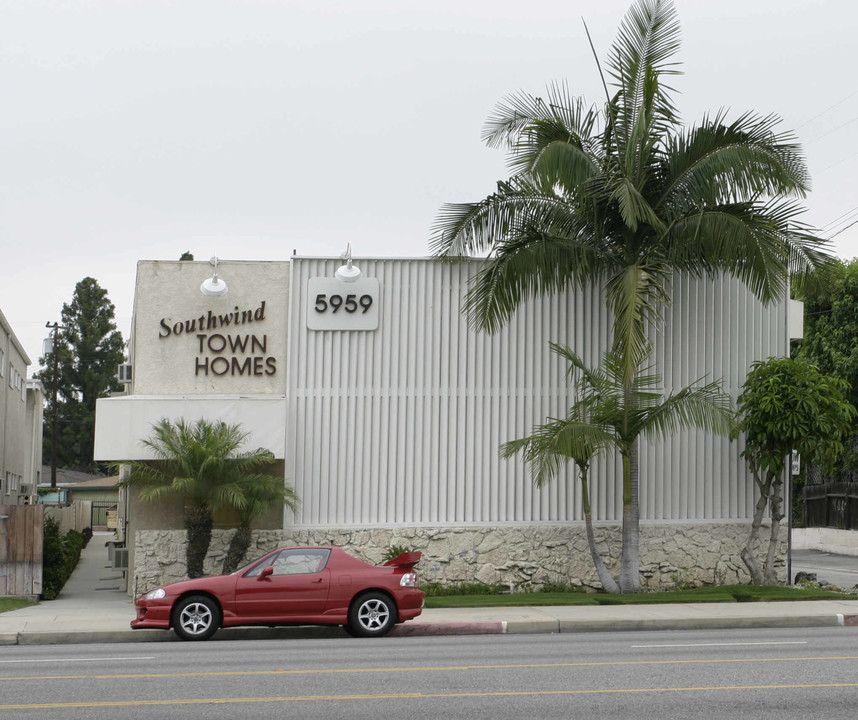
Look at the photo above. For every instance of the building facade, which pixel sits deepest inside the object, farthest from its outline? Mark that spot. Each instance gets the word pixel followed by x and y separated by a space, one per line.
pixel 386 412
pixel 21 410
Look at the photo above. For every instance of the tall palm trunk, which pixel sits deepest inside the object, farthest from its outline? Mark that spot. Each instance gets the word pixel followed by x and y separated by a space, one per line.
pixel 198 523
pixel 238 544
pixel 630 565
pixel 605 577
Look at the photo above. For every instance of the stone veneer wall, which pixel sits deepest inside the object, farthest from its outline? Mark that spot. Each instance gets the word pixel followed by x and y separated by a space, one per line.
pixel 525 556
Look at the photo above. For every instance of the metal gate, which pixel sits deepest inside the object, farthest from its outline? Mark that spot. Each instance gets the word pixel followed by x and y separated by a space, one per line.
pixel 99 512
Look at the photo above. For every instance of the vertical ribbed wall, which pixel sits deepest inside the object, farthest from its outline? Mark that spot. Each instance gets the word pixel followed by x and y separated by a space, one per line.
pixel 401 426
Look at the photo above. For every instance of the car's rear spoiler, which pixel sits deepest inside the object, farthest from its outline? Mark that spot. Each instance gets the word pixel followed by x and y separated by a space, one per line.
pixel 406 560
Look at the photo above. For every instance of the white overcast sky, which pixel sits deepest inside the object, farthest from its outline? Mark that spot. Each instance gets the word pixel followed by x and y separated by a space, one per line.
pixel 138 129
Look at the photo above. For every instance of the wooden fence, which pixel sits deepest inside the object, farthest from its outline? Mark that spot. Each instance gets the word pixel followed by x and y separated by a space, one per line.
pixel 21 538
pixel 833 505
pixel 76 516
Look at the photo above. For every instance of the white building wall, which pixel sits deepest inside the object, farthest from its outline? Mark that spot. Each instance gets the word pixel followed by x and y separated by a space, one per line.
pixel 402 425
pixel 16 434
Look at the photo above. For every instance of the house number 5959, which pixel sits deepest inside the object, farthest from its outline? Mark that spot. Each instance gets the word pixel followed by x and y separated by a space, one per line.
pixel 349 303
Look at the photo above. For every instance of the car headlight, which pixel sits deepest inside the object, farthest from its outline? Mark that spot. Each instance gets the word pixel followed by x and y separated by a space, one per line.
pixel 155 594
pixel 408 580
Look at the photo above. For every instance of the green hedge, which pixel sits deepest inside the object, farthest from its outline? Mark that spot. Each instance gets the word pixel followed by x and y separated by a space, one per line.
pixel 60 556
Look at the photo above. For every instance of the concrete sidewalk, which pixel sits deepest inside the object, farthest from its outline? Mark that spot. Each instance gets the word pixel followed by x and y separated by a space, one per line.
pixel 92 609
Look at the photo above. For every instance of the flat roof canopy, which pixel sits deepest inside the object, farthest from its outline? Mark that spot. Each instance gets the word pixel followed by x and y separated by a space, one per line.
pixel 122 422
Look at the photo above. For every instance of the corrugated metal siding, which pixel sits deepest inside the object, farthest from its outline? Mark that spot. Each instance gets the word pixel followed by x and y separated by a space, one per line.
pixel 401 426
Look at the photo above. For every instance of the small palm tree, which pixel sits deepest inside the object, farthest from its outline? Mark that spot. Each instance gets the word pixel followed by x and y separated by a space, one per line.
pixel 200 464
pixel 611 412
pixel 550 447
pixel 261 493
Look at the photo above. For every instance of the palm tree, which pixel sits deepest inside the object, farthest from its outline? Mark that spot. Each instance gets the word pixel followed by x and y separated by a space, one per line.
pixel 200 464
pixel 550 447
pixel 261 493
pixel 610 412
pixel 624 196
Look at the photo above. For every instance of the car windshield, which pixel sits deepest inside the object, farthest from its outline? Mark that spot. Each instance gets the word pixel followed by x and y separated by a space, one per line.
pixel 244 568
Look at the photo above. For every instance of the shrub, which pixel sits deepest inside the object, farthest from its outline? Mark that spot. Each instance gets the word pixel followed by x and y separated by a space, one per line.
pixel 437 589
pixel 60 555
pixel 395 551
pixel 87 535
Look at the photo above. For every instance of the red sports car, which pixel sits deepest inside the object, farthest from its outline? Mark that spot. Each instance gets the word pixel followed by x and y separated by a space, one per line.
pixel 290 586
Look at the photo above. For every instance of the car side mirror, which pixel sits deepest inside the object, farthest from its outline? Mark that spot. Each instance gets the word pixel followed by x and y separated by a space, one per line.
pixel 266 571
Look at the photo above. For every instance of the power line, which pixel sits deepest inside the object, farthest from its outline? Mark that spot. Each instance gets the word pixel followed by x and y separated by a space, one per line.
pixel 831 225
pixel 854 222
pixel 833 130
pixel 839 102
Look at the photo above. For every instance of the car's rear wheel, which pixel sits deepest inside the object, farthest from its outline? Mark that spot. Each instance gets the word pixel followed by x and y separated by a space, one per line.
pixel 372 614
pixel 196 617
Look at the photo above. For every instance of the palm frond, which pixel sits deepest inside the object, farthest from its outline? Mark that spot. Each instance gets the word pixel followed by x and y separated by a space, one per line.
pixel 706 407
pixel 553 444
pixel 730 163
pixel 648 39
pixel 757 243
pixel 563 164
pixel 463 229
pixel 633 206
pixel 532 264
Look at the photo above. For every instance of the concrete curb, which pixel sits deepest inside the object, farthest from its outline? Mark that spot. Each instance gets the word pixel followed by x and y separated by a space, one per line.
pixel 512 627
pixel 459 628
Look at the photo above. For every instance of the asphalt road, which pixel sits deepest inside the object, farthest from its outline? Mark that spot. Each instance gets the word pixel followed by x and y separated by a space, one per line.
pixel 793 673
pixel 840 570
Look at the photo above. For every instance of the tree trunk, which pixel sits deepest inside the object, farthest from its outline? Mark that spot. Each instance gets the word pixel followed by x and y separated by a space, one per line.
pixel 238 545
pixel 630 581
pixel 776 503
pixel 748 557
pixel 198 522
pixel 605 577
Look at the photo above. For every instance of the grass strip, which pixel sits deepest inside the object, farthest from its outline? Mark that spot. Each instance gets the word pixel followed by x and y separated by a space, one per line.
pixel 725 593
pixel 10 603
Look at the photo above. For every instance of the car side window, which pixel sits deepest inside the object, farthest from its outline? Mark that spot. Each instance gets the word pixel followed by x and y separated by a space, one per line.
pixel 299 561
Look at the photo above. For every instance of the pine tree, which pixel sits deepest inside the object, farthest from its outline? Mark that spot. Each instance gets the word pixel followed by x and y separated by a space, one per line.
pixel 89 349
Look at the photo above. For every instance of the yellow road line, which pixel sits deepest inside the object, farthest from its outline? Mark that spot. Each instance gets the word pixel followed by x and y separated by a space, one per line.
pixel 425 668
pixel 415 696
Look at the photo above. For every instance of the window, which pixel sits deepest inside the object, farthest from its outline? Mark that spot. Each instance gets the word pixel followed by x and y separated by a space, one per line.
pixel 299 561
pixel 2 364
pixel 16 382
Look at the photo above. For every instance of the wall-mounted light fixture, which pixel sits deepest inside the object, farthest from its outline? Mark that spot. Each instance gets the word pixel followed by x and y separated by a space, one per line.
pixel 348 272
pixel 214 286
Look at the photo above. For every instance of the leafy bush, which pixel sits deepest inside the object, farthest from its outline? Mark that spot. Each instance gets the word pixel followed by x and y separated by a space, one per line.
pixel 550 587
pixel 395 551
pixel 60 555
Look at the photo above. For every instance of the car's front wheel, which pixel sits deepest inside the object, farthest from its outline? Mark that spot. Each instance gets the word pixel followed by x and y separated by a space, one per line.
pixel 372 614
pixel 196 617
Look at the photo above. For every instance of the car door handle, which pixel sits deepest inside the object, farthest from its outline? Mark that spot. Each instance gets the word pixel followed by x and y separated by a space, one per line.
pixel 318 580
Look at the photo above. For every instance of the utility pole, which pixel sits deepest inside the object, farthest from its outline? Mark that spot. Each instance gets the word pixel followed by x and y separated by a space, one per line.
pixel 55 328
